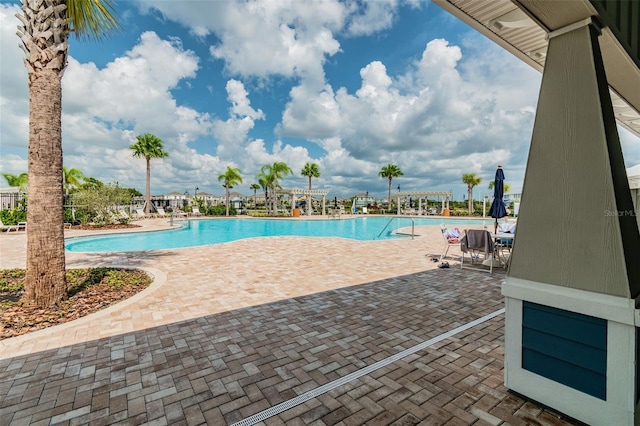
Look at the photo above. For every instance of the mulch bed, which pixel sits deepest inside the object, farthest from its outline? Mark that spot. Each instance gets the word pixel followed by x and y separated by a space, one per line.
pixel 104 227
pixel 17 318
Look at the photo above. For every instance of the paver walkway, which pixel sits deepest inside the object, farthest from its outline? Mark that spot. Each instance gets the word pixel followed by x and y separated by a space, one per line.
pixel 229 331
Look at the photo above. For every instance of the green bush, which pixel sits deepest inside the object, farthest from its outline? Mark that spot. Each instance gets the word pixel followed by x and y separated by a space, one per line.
pixel 12 217
pixel 218 211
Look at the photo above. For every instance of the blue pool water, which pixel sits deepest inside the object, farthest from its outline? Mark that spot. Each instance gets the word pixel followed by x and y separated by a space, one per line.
pixel 205 232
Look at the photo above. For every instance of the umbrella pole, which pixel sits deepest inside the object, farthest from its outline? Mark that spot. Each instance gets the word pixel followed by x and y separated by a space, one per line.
pixel 495 226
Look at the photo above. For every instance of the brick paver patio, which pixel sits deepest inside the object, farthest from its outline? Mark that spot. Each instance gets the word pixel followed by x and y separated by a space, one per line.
pixel 229 331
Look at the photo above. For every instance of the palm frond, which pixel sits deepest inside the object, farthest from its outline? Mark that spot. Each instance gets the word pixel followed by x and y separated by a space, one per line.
pixel 92 19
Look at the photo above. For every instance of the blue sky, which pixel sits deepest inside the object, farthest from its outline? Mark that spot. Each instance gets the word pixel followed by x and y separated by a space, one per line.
pixel 351 86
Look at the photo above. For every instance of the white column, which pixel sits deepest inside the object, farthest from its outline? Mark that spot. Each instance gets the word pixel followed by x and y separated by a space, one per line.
pixel 572 251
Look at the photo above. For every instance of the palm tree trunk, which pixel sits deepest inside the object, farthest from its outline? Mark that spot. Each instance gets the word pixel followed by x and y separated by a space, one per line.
pixel 147 198
pixel 227 191
pixel 469 195
pixel 274 195
pixel 389 201
pixel 45 278
pixel 309 199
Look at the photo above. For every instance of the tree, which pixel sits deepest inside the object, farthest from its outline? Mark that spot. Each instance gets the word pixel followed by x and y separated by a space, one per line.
pixel 90 182
pixel 229 179
pixel 264 181
pixel 21 180
pixel 44 32
pixel 310 170
pixel 507 187
pixel 254 187
pixel 71 178
pixel 272 173
pixel 100 202
pixel 390 171
pixel 471 180
pixel 148 146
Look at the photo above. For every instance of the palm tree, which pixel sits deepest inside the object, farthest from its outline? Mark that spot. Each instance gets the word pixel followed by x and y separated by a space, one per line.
pixel 310 170
pixel 507 187
pixel 21 180
pixel 44 32
pixel 71 178
pixel 254 187
pixel 148 146
pixel 471 180
pixel 229 179
pixel 93 183
pixel 273 172
pixel 264 180
pixel 390 171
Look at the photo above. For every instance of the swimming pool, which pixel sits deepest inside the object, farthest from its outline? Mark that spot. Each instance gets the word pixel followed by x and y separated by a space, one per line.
pixel 206 232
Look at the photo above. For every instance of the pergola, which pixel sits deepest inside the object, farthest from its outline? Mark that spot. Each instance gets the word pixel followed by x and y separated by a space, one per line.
pixel 302 193
pixel 446 196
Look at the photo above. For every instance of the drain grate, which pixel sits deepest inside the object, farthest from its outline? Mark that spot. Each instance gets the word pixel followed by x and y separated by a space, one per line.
pixel 301 399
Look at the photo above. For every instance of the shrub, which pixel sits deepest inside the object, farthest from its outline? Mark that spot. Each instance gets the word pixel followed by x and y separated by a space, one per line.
pixel 219 210
pixel 12 217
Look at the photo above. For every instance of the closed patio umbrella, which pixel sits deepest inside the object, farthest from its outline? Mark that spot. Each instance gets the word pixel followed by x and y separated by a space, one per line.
pixel 498 209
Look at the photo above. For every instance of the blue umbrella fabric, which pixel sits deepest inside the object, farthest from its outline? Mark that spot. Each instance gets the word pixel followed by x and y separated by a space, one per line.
pixel 498 209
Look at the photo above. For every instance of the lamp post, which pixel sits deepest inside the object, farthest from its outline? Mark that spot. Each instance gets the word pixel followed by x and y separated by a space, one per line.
pixel 195 192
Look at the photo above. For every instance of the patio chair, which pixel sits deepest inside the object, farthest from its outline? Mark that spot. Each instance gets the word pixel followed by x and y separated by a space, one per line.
pixel 476 243
pixel 451 238
pixel 195 211
pixel 7 228
pixel 161 213
pixel 120 215
pixel 141 214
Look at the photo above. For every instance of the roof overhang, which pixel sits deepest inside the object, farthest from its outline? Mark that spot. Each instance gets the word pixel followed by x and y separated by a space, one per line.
pixel 521 27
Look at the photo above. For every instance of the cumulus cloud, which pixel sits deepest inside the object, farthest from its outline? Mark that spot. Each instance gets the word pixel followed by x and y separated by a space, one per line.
pixel 258 39
pixel 370 17
pixel 425 120
pixel 455 108
pixel 14 102
pixel 135 88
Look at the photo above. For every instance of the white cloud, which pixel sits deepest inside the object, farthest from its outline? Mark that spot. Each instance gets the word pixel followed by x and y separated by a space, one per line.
pixel 135 88
pixel 232 134
pixel 371 17
pixel 240 103
pixel 287 38
pixel 433 121
pixel 14 102
pixel 455 109
pixel 258 39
